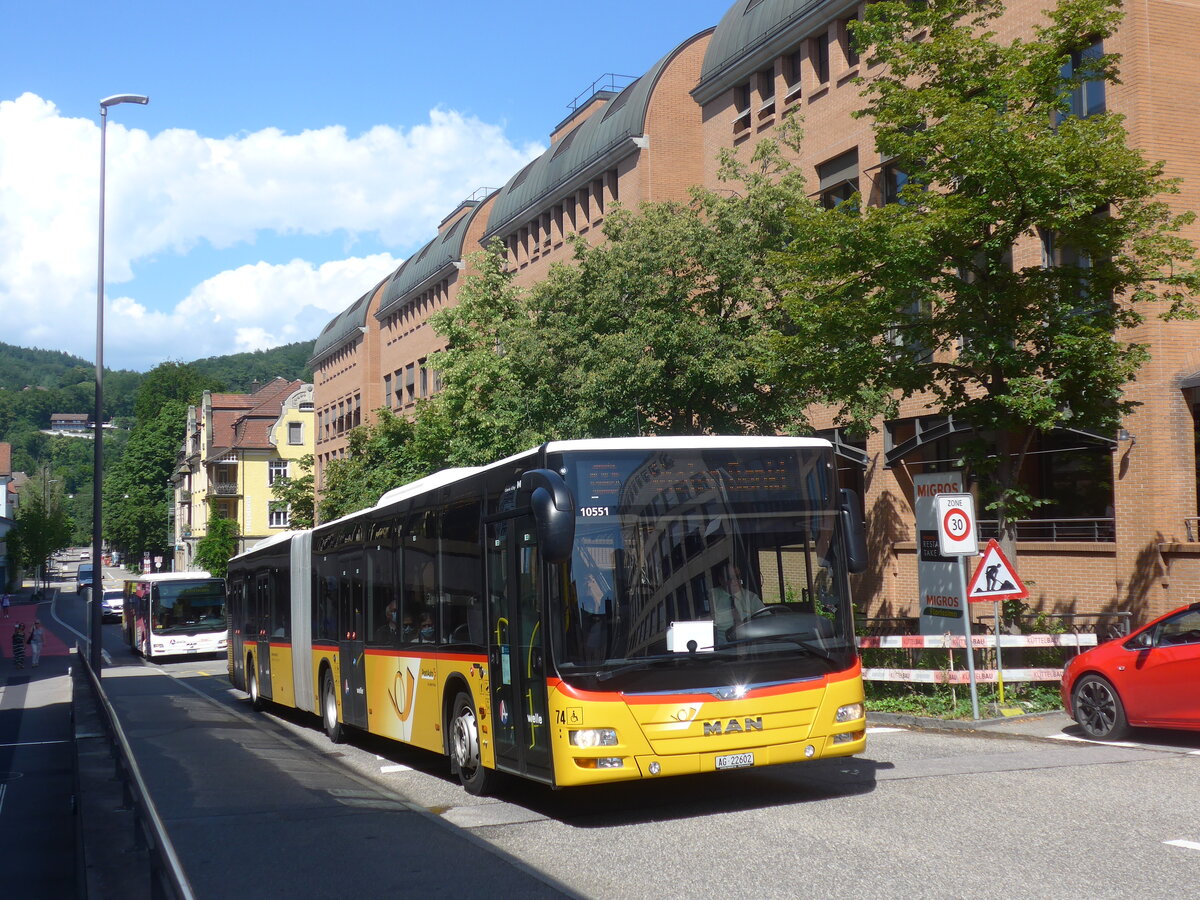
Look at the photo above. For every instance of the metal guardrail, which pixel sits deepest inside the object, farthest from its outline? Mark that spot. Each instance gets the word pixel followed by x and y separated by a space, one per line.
pixel 1101 530
pixel 1192 525
pixel 167 878
pixel 1073 623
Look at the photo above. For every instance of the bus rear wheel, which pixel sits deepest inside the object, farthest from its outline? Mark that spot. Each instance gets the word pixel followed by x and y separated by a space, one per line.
pixel 464 746
pixel 329 709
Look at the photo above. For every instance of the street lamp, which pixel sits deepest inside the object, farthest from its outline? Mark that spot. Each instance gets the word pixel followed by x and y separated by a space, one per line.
pixel 95 597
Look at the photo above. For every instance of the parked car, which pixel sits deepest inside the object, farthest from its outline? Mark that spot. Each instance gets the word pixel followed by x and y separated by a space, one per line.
pixel 113 604
pixel 1148 679
pixel 83 577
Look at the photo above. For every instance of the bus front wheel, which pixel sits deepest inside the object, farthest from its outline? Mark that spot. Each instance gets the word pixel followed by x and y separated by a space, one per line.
pixel 256 701
pixel 464 746
pixel 329 709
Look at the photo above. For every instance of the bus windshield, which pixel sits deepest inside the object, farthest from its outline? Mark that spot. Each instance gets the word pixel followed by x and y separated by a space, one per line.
pixel 189 607
pixel 689 561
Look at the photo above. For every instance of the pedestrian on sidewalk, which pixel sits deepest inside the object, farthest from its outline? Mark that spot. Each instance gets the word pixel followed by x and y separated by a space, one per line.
pixel 5 603
pixel 36 637
pixel 18 642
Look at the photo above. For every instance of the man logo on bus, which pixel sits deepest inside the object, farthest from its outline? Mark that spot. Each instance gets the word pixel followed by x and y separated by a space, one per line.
pixel 733 726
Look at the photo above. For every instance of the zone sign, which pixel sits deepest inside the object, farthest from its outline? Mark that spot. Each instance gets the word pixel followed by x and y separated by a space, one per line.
pixel 956 524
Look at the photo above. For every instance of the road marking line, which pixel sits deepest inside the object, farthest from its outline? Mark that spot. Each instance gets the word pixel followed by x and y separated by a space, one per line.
pixel 1081 740
pixel 882 729
pixel 1187 845
pixel 395 768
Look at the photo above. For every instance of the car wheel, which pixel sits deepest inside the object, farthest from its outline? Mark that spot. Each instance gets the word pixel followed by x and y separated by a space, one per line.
pixel 329 709
pixel 1098 709
pixel 256 701
pixel 464 746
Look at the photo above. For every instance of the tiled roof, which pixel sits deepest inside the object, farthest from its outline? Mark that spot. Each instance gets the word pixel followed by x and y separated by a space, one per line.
pixel 243 421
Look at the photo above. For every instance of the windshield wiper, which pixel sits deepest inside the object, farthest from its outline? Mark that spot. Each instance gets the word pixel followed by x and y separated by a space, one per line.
pixel 814 649
pixel 606 674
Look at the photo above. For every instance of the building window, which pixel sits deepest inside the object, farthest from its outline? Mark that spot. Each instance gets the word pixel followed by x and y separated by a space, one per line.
pixel 741 103
pixel 794 73
pixel 277 514
pixel 820 57
pixel 838 179
pixel 276 469
pixel 295 433
pixel 766 88
pixel 387 391
pixel 1087 99
pixel 894 180
pixel 424 378
pixel 848 45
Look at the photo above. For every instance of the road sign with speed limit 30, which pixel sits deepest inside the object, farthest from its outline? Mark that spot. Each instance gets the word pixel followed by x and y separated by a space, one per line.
pixel 956 524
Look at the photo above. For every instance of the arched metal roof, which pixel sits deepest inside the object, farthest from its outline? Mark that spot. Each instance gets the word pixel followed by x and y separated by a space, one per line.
pixel 754 32
pixel 621 120
pixel 444 249
pixel 346 323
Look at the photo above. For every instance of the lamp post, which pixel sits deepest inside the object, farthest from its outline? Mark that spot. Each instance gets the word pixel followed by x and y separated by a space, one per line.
pixel 95 596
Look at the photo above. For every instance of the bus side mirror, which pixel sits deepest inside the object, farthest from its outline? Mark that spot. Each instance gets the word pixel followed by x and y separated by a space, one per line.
pixel 854 529
pixel 553 513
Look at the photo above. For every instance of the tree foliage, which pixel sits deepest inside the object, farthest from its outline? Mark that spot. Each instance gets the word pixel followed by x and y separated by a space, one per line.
pixel 664 328
pixel 298 493
pixel 137 492
pixel 947 293
pixel 217 547
pixel 43 528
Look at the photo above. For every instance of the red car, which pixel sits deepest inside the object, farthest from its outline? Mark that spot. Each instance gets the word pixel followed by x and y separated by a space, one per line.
pixel 1149 679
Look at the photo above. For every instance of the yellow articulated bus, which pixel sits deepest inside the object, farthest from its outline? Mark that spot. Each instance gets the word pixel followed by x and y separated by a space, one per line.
pixel 587 612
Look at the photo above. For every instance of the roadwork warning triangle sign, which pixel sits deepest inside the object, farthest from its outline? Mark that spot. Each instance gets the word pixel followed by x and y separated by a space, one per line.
pixel 995 578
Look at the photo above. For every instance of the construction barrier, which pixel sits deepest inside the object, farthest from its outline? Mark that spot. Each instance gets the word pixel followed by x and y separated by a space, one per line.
pixel 959 642
pixel 959 676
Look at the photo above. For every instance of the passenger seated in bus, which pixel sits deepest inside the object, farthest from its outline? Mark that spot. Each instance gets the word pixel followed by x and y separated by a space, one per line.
pixel 733 602
pixel 426 632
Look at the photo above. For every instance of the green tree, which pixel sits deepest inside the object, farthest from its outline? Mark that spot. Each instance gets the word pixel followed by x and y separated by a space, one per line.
pixel 922 296
pixel 379 457
pixel 43 528
pixel 217 547
pixel 298 493
pixel 137 493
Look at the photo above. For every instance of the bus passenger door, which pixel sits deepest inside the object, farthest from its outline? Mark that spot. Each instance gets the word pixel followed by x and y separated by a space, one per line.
pixel 262 635
pixel 352 661
pixel 520 723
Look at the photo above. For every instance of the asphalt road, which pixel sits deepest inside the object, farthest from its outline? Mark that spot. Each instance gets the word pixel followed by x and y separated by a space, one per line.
pixel 921 814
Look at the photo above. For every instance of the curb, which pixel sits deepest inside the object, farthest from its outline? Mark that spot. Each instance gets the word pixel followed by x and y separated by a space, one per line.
pixel 883 718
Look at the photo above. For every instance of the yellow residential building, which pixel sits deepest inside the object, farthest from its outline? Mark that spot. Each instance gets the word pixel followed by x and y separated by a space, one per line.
pixel 236 447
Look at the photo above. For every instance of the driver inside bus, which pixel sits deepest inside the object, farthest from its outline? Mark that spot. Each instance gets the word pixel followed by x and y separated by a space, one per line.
pixel 733 602
pixel 593 613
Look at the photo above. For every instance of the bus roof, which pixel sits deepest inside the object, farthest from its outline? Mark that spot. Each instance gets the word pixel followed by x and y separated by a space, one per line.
pixel 678 442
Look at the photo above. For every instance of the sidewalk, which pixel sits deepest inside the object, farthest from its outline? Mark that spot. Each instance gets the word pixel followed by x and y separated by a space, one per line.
pixel 251 811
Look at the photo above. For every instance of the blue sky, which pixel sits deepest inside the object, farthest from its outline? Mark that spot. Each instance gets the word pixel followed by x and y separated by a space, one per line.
pixel 292 154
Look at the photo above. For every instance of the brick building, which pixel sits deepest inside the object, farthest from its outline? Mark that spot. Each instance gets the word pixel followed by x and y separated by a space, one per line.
pixel 1120 530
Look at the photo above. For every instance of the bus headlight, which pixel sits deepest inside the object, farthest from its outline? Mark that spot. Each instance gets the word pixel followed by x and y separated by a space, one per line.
pixel 594 737
pixel 851 712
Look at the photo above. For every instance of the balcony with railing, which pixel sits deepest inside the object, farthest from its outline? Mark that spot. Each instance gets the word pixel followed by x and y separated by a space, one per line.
pixel 224 488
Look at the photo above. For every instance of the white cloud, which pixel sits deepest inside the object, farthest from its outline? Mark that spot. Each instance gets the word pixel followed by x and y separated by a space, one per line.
pixel 169 193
